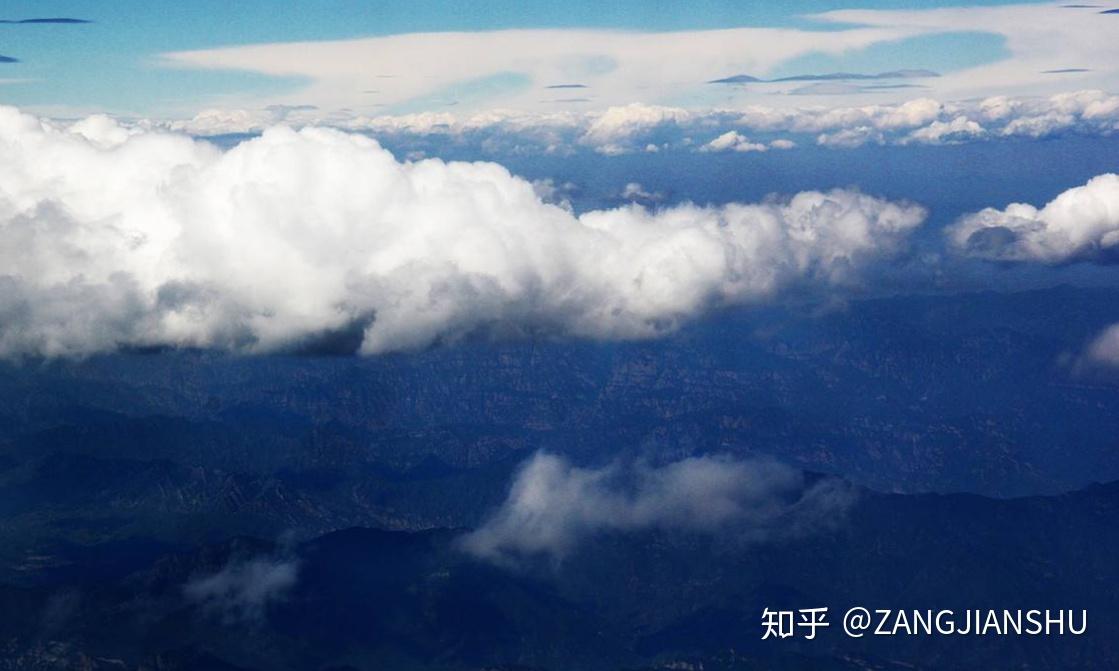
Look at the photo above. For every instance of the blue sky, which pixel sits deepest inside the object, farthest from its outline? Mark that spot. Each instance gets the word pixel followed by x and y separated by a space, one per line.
pixel 113 63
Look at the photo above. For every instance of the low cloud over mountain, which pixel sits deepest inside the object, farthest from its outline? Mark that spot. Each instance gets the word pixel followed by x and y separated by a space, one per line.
pixel 553 504
pixel 242 591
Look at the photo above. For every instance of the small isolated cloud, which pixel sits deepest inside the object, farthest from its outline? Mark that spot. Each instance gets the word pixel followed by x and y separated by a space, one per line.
pixel 113 236
pixel 242 591
pixel 1081 224
pixel 635 192
pixel 1104 348
pixel 733 141
pixel 553 505
pixel 957 130
pixel 612 131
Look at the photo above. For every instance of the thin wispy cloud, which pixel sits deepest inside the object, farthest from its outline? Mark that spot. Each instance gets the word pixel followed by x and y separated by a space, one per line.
pixel 621 66
pixel 61 20
pixel 1104 348
pixel 830 76
pixel 553 506
pixel 243 590
pixel 651 67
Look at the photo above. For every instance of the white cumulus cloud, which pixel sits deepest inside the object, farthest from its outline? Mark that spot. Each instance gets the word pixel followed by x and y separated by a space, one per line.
pixel 1080 224
pixel 111 238
pixel 940 132
pixel 733 141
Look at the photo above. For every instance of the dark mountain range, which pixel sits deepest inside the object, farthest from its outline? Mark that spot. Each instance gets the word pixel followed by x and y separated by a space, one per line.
pixel 142 493
pixel 979 393
pixel 370 599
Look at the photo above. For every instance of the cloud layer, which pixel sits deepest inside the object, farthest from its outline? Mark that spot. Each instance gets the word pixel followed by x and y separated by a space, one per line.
pixel 640 127
pixel 116 237
pixel 553 505
pixel 1081 224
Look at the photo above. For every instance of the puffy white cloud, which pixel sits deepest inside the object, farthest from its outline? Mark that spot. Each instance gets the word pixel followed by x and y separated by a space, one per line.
pixel 220 121
pixel 111 238
pixel 553 505
pixel 848 138
pixel 242 591
pixel 733 141
pixel 1082 111
pixel 869 118
pixel 922 120
pixel 938 132
pixel 1080 224
pixel 102 130
pixel 637 193
pixel 612 131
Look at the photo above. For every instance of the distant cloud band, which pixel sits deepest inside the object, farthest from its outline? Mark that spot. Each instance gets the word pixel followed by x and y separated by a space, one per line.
pixel 636 127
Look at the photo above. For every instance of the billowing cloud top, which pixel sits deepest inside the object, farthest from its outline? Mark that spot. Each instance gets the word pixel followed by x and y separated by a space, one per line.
pixel 1080 224
pixel 112 236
